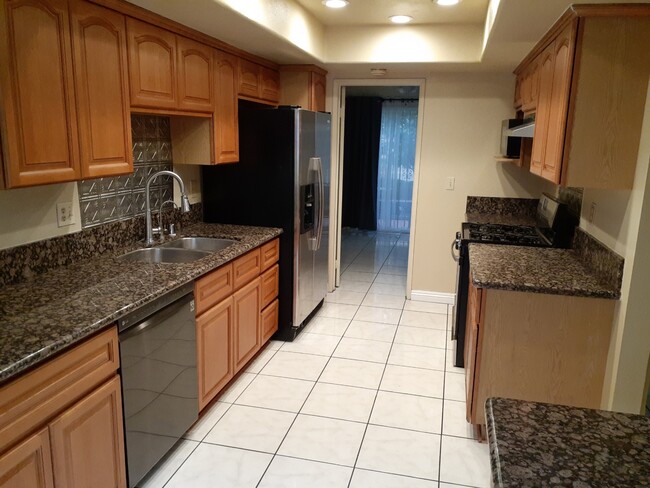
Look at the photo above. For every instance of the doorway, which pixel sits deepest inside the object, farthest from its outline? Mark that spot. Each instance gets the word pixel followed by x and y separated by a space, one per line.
pixel 377 145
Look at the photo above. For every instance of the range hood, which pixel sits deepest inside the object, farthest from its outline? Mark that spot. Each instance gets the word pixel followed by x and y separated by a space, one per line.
pixel 526 129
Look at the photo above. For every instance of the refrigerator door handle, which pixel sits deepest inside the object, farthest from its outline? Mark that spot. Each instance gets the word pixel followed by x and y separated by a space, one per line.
pixel 316 165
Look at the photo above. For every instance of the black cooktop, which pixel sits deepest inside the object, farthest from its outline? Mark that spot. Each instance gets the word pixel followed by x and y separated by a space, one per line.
pixel 504 234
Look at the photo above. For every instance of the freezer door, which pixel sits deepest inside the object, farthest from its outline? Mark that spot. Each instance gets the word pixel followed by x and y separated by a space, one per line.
pixel 321 254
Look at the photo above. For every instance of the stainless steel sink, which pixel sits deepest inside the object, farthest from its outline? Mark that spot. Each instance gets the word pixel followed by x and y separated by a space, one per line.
pixel 209 244
pixel 163 255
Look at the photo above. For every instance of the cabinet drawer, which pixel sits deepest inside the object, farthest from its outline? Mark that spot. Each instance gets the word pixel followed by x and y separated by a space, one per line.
pixel 246 268
pixel 270 254
pixel 270 285
pixel 212 288
pixel 269 321
pixel 37 396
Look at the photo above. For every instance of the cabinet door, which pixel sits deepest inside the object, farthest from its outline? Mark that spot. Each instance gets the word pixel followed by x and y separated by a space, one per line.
pixel 543 108
pixel 88 441
pixel 472 328
pixel 29 464
pixel 269 321
pixel 249 79
pixel 269 84
pixel 152 65
pixel 318 86
pixel 101 77
pixel 246 306
pixel 38 97
pixel 226 123
pixel 195 85
pixel 559 103
pixel 214 342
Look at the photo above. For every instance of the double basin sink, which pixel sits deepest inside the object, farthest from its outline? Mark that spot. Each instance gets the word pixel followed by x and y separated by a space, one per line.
pixel 184 250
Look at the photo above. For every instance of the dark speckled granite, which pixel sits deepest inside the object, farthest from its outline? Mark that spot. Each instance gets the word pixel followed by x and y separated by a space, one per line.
pixel 501 206
pixel 56 309
pixel 502 219
pixel 540 445
pixel 603 261
pixel 537 270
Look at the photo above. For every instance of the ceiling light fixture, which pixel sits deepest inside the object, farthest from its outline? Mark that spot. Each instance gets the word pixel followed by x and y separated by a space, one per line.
pixel 335 3
pixel 447 3
pixel 400 19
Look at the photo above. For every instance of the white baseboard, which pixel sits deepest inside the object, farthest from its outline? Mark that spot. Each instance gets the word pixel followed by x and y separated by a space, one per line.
pixel 433 296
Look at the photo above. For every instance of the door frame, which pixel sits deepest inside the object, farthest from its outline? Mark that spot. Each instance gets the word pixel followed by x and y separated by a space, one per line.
pixel 336 190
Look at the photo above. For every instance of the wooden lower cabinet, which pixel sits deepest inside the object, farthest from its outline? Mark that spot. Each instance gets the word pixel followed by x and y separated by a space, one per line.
pixel 88 441
pixel 246 306
pixel 214 346
pixel 29 464
pixel 269 321
pixel 535 347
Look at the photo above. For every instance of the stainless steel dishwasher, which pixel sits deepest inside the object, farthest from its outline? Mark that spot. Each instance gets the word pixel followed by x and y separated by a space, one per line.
pixel 159 378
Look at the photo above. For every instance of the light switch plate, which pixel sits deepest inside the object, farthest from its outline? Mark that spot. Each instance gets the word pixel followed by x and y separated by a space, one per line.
pixel 450 183
pixel 64 215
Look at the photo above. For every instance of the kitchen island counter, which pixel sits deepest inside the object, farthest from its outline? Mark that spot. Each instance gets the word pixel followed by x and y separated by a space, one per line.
pixel 539 444
pixel 57 309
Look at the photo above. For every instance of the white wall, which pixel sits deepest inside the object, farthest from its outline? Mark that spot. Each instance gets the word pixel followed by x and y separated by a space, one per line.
pixel 461 136
pixel 29 214
pixel 622 222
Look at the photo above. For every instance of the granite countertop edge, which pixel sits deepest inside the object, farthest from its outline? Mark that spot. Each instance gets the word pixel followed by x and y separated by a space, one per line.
pixel 37 350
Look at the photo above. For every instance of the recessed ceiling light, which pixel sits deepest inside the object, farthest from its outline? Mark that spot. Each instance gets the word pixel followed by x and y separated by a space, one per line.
pixel 400 19
pixel 447 3
pixel 335 3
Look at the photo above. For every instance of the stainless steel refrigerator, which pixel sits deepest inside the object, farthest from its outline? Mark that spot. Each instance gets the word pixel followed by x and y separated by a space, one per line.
pixel 282 180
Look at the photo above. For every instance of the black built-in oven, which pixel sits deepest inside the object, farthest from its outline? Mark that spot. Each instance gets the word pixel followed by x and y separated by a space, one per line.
pixel 555 228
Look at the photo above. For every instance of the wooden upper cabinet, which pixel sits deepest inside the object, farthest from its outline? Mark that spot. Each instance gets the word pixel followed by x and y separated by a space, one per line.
pixel 249 79
pixel 29 464
pixel 88 441
pixel 543 108
pixel 152 65
pixel 269 84
pixel 195 72
pixel 102 82
pixel 303 85
pixel 39 127
pixel 226 121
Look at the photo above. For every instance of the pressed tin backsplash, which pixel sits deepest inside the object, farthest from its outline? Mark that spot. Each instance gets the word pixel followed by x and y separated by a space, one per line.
pixel 122 197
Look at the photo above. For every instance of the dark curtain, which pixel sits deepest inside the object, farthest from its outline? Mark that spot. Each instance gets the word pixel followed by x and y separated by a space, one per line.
pixel 360 162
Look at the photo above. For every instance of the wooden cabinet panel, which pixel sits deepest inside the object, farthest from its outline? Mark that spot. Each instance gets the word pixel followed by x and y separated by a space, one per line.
pixel 269 321
pixel 35 397
pixel 214 336
pixel 318 90
pixel 543 109
pixel 195 83
pixel 246 268
pixel 270 254
pixel 249 79
pixel 226 122
pixel 212 288
pixel 88 441
pixel 101 77
pixel 29 464
pixel 473 328
pixel 38 97
pixel 270 283
pixel 269 84
pixel 246 306
pixel 152 65
pixel 559 104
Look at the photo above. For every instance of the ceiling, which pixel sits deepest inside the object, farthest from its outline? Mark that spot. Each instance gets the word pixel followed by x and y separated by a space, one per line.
pixel 374 12
pixel 350 41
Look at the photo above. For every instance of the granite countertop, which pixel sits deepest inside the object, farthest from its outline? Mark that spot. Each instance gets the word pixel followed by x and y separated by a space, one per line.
pixel 502 219
pixel 61 307
pixel 538 444
pixel 535 269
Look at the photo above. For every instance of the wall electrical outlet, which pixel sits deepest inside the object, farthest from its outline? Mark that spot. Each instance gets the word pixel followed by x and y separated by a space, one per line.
pixel 450 183
pixel 592 212
pixel 64 215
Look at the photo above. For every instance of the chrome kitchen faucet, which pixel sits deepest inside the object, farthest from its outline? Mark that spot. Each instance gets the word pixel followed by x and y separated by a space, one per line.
pixel 185 204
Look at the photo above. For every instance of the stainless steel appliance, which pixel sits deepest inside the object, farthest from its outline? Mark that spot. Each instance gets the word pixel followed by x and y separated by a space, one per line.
pixel 159 378
pixel 554 228
pixel 282 180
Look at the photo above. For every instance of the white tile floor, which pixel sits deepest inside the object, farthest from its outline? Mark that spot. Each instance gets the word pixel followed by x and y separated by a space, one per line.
pixel 365 397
